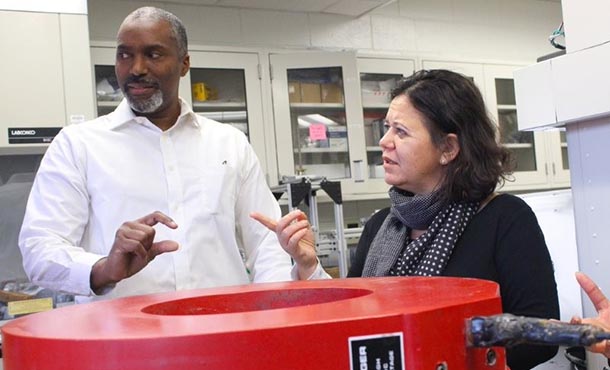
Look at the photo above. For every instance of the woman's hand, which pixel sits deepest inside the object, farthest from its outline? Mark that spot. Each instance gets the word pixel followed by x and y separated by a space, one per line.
pixel 602 305
pixel 294 234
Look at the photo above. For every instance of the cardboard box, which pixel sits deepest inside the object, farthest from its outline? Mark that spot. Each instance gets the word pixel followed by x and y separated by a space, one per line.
pixel 337 137
pixel 331 93
pixel 375 98
pixel 294 92
pixel 310 93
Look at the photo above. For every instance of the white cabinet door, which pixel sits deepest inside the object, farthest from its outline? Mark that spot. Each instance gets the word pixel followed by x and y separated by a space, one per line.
pixel 31 72
pixel 558 154
pixel 377 79
pixel 318 117
pixel 46 77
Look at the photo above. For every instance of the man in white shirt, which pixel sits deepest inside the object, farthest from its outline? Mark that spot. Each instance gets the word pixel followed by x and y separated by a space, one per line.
pixel 114 195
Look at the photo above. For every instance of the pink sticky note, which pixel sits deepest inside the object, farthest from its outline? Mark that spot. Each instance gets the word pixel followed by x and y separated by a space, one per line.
pixel 317 131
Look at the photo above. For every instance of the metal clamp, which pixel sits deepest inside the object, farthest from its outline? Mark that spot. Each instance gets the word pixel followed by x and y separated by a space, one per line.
pixel 303 188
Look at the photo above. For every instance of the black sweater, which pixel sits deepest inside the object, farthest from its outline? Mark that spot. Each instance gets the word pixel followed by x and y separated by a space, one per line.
pixel 502 243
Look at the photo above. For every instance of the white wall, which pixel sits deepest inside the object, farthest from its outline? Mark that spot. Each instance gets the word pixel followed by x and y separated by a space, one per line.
pixel 487 30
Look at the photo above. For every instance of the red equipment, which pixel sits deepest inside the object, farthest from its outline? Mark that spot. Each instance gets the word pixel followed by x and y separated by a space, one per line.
pixel 412 323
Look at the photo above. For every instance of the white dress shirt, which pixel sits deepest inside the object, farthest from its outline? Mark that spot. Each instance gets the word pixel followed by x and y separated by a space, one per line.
pixel 119 167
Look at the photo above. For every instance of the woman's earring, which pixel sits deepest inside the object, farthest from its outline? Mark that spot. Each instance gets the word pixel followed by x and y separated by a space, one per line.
pixel 443 161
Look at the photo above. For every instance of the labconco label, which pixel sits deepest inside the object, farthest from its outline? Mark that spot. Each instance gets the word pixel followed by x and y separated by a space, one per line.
pixel 32 135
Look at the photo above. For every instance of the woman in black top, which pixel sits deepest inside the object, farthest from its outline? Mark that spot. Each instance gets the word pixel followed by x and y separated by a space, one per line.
pixel 442 160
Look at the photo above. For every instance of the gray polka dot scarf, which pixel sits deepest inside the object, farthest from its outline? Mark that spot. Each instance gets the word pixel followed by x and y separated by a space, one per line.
pixel 392 252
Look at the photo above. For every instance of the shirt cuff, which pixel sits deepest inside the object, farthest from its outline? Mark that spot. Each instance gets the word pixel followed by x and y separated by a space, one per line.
pixel 318 274
pixel 79 281
pixel 81 273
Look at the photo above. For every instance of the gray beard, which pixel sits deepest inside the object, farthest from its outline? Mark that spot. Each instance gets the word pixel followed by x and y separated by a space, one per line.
pixel 147 106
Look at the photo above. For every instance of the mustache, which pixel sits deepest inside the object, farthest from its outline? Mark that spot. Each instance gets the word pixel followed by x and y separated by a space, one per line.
pixel 140 80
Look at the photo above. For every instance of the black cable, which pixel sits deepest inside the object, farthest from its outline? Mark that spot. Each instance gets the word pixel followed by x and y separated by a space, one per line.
pixel 558 32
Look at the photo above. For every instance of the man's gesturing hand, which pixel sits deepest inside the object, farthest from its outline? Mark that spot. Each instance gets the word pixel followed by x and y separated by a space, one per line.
pixel 134 247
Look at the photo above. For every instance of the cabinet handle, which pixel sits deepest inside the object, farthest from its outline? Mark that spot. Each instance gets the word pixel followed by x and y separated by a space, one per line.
pixel 553 166
pixel 546 169
pixel 358 170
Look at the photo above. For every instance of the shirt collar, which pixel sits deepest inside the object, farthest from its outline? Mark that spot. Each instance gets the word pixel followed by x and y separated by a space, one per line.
pixel 123 115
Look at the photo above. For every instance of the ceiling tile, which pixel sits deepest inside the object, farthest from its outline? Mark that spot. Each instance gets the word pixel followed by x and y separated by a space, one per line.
pixel 352 8
pixel 355 8
pixel 193 2
pixel 283 5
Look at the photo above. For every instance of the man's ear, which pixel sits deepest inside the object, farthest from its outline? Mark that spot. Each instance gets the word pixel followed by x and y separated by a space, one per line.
pixel 450 148
pixel 186 65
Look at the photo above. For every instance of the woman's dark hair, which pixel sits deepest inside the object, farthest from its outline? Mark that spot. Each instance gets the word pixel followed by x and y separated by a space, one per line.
pixel 451 103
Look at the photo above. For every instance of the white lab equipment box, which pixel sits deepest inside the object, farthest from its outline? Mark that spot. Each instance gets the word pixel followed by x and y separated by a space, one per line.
pixel 46 76
pixel 569 88
pixel 534 96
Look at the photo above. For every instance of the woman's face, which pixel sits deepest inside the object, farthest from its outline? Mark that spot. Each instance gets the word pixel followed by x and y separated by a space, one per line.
pixel 410 159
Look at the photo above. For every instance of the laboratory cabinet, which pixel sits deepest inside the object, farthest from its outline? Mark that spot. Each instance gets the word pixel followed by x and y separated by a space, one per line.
pixel 223 86
pixel 321 114
pixel 540 156
pixel 318 117
pixel 329 110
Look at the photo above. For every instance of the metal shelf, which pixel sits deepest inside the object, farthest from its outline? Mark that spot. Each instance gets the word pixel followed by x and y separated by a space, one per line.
pixel 219 105
pixel 320 150
pixel 518 145
pixel 317 105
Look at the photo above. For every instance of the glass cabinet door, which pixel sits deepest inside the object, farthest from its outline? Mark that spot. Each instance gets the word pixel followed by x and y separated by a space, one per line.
pixel 521 143
pixel 564 150
pixel 318 125
pixel 107 91
pixel 225 87
pixel 220 94
pixel 497 87
pixel 316 114
pixel 558 152
pixel 527 147
pixel 377 79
